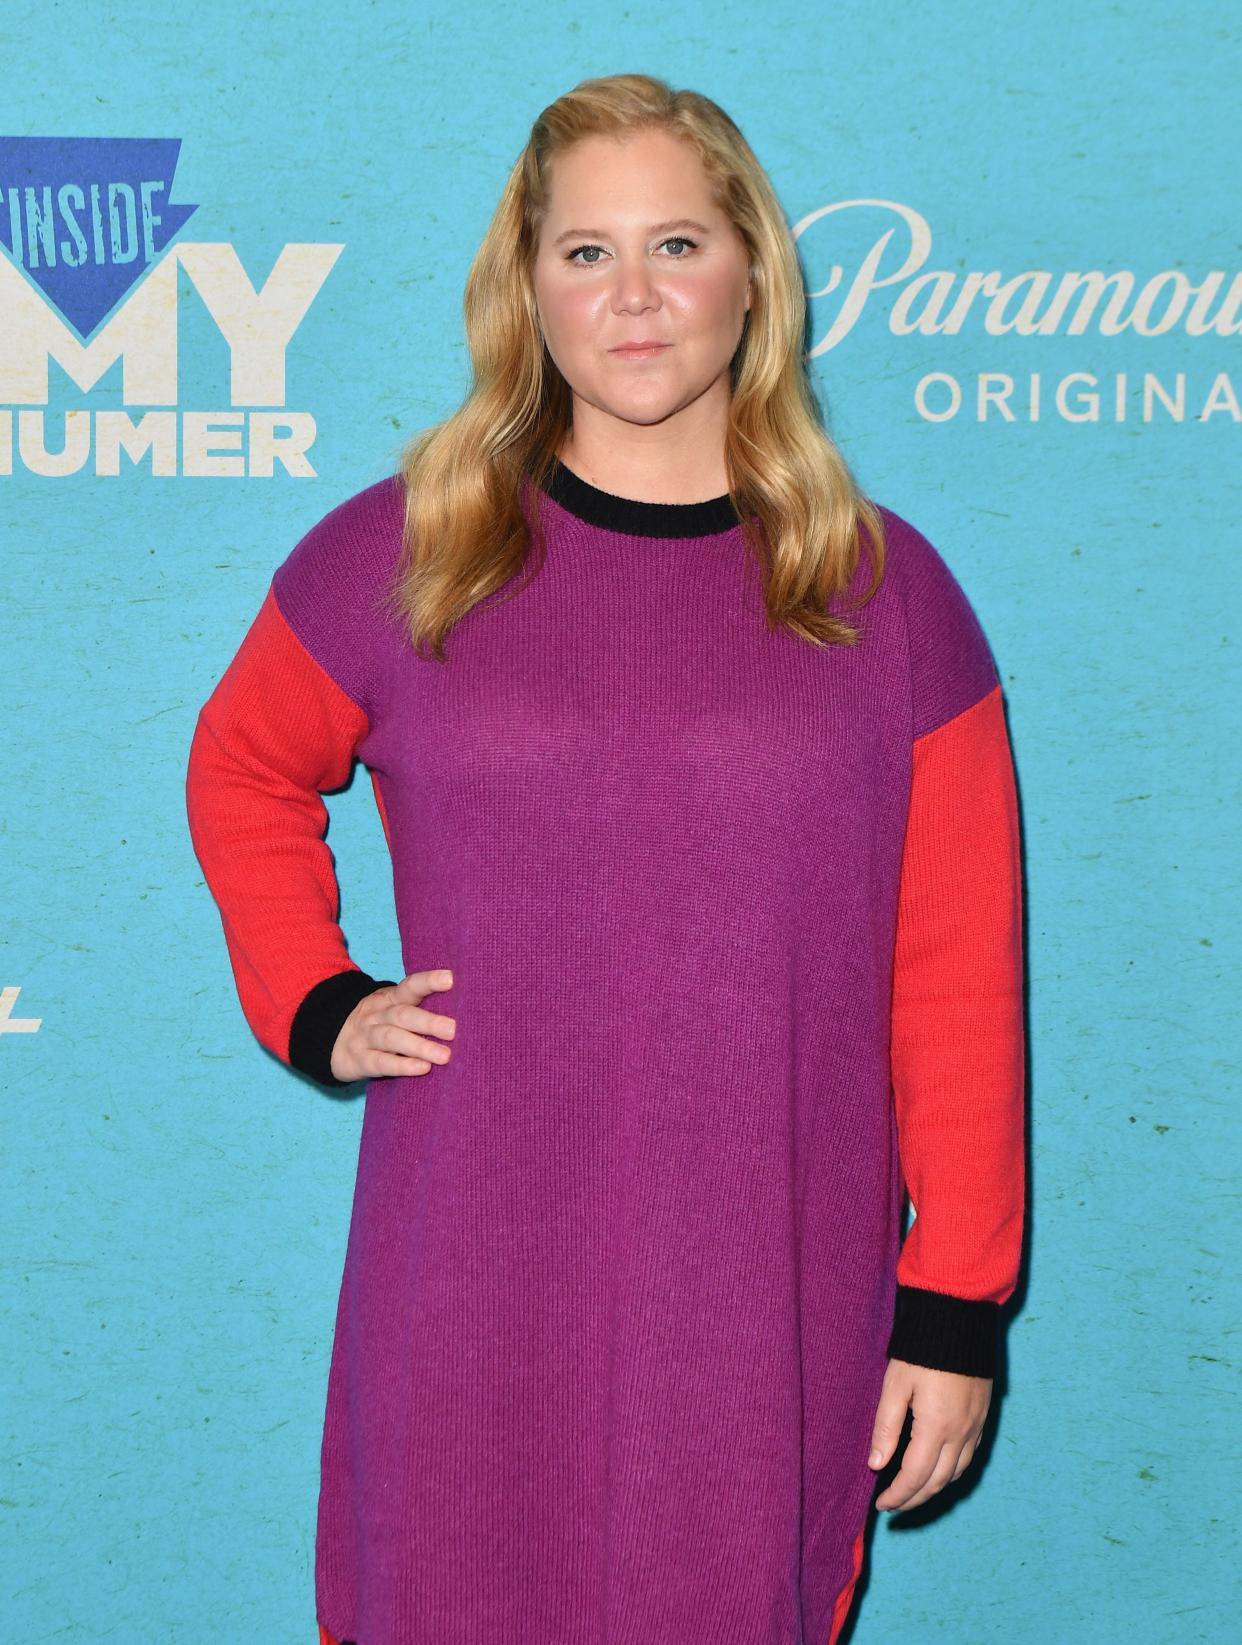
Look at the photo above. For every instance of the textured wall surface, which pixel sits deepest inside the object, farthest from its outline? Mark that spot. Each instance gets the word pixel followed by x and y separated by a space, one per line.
pixel 176 1203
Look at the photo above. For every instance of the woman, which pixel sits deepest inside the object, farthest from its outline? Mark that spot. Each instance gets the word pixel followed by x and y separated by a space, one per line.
pixel 706 866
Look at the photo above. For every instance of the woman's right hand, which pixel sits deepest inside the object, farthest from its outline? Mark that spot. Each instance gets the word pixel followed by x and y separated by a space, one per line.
pixel 389 1032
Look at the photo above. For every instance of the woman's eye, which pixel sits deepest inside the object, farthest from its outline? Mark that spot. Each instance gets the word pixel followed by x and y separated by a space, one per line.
pixel 675 240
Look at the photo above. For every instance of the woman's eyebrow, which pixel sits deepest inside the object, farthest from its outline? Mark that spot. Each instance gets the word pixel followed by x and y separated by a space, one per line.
pixel 656 228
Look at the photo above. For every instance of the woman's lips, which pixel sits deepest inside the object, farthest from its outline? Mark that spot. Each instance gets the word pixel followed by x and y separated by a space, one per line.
pixel 641 352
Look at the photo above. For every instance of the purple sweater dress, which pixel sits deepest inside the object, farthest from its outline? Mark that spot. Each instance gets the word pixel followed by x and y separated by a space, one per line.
pixel 622 1276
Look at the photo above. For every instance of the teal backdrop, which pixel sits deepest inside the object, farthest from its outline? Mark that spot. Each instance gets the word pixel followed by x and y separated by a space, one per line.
pixel 176 1202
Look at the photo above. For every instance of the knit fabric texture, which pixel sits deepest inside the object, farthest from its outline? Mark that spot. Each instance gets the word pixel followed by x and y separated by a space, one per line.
pixel 734 923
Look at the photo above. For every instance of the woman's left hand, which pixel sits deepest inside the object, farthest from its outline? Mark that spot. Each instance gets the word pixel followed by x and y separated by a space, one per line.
pixel 949 1413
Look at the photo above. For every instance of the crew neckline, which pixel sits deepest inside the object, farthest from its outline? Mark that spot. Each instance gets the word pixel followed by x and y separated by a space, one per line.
pixel 633 516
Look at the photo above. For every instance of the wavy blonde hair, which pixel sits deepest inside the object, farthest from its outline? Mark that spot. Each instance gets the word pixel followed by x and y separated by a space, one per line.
pixel 465 532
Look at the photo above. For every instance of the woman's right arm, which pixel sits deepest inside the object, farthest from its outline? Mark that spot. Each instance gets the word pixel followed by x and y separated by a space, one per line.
pixel 275 733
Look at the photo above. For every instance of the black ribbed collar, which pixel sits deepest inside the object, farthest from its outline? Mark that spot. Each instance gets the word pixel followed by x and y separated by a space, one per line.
pixel 634 517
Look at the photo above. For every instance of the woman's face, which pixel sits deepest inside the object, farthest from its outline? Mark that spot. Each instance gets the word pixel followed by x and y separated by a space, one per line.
pixel 633 250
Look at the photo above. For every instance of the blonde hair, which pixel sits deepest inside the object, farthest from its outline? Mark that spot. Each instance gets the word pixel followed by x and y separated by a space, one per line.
pixel 465 532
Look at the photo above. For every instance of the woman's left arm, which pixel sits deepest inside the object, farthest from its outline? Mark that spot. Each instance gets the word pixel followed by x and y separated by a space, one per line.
pixel 957 1054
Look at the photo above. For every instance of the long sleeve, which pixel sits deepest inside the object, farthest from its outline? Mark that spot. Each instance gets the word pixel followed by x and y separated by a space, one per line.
pixel 957 1044
pixel 957 1040
pixel 276 732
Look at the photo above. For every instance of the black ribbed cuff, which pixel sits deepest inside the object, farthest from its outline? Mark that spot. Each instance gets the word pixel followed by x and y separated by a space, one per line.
pixel 320 1018
pixel 945 1333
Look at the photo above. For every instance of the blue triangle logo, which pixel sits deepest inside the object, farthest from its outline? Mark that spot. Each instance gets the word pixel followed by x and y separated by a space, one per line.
pixel 85 217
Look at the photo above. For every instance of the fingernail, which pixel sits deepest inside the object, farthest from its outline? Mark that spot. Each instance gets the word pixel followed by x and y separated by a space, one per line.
pixel 874 1458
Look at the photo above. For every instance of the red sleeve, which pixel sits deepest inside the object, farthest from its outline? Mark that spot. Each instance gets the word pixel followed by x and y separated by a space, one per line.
pixel 275 733
pixel 957 1043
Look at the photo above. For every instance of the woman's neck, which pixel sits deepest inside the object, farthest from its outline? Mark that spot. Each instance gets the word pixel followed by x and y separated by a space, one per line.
pixel 655 475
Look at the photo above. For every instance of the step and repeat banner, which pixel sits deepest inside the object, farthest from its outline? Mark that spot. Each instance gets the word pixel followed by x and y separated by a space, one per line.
pixel 233 243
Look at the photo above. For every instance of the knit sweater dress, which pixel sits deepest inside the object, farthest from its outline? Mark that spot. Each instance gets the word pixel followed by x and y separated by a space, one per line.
pixel 734 923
